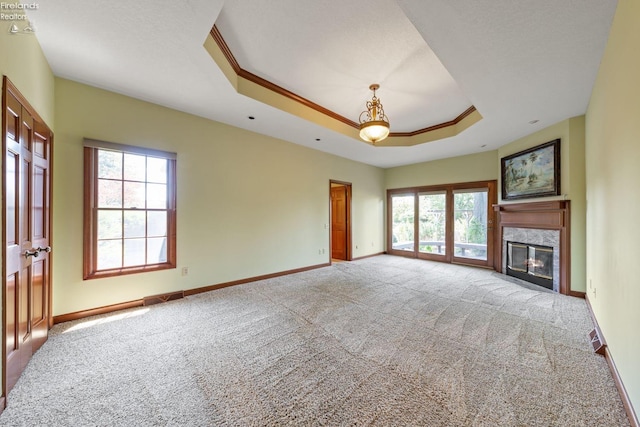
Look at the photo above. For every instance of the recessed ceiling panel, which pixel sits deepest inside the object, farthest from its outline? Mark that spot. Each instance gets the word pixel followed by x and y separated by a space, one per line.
pixel 330 51
pixel 514 61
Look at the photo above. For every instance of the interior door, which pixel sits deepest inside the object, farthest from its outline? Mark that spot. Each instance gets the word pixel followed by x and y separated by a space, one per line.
pixel 40 234
pixel 27 143
pixel 339 222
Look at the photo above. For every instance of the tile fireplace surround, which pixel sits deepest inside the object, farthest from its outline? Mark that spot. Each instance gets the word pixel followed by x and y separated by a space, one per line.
pixel 534 236
pixel 538 223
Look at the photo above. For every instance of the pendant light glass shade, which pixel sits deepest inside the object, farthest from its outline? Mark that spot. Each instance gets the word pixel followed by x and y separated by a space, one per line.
pixel 374 131
pixel 374 124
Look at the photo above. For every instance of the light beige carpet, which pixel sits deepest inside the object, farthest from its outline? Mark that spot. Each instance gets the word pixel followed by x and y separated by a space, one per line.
pixel 384 341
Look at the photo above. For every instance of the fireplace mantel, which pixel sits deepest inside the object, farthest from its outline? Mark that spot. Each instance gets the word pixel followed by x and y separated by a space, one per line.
pixel 551 215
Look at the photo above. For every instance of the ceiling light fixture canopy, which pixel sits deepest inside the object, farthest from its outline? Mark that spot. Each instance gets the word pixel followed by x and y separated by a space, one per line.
pixel 374 124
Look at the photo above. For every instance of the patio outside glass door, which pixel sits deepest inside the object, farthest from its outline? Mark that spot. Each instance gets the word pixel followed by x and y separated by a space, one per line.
pixel 432 225
pixel 402 219
pixel 470 223
pixel 448 223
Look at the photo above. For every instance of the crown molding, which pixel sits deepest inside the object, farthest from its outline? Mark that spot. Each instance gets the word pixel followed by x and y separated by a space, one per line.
pixel 256 87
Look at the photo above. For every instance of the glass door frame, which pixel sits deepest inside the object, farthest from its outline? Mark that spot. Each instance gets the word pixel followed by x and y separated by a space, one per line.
pixel 449 189
pixel 401 252
pixel 448 236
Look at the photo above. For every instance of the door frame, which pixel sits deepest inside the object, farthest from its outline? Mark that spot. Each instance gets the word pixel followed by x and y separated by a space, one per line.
pixel 449 190
pixel 9 87
pixel 348 187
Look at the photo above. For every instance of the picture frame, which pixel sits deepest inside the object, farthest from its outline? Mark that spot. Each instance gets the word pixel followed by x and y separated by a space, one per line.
pixel 531 173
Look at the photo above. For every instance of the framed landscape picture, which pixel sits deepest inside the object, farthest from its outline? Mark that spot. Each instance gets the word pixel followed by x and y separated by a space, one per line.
pixel 532 173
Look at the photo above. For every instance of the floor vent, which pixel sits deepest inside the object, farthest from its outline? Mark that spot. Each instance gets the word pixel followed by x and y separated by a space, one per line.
pixel 157 299
pixel 596 342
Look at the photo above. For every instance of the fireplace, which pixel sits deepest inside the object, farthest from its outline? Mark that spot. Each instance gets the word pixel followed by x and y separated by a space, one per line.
pixel 540 225
pixel 533 263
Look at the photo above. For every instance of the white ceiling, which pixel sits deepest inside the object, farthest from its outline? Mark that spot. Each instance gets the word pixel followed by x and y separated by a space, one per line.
pixel 332 58
pixel 515 61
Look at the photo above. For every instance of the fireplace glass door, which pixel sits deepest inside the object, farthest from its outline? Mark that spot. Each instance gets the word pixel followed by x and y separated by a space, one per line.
pixel 533 263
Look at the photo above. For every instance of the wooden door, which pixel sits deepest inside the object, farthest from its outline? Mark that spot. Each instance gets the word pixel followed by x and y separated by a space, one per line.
pixel 27 149
pixel 339 222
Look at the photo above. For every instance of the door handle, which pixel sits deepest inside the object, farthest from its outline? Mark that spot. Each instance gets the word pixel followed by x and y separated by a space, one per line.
pixel 33 253
pixel 46 249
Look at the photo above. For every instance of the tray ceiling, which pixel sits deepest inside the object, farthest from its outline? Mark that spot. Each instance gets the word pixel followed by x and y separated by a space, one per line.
pixel 515 62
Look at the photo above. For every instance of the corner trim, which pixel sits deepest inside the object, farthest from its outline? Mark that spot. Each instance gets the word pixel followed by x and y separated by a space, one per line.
pixel 626 402
pixel 141 302
pixel 622 391
pixel 96 311
pixel 241 72
pixel 402 138
pixel 195 291
pixel 368 256
pixel 453 122
pixel 159 299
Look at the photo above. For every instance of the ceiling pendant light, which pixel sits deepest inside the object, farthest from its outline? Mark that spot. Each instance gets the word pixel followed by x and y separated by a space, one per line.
pixel 374 124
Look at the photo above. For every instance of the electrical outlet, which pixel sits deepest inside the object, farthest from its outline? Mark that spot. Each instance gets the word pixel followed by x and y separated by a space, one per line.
pixel 185 271
pixel 322 250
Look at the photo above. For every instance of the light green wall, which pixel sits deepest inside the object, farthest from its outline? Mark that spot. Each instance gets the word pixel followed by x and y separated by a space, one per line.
pixel 22 60
pixel 473 167
pixel 469 168
pixel 486 166
pixel 248 204
pixel 613 198
pixel 572 183
pixel 251 205
pixel 560 130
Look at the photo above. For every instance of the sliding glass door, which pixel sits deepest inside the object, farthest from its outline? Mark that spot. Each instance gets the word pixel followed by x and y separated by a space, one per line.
pixel 470 225
pixel 450 223
pixel 432 223
pixel 402 222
